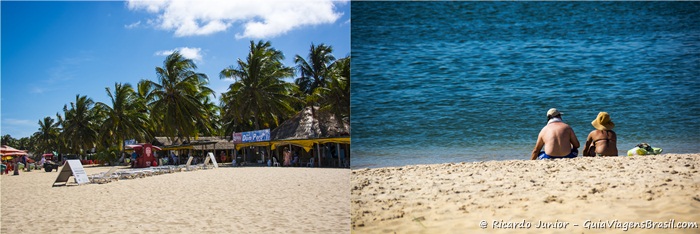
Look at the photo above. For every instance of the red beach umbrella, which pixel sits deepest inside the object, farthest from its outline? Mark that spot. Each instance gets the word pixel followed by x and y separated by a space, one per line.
pixel 9 151
pixel 21 153
pixel 5 150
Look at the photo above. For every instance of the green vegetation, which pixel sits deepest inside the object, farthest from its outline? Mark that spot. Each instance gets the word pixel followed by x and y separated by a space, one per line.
pixel 259 97
pixel 179 104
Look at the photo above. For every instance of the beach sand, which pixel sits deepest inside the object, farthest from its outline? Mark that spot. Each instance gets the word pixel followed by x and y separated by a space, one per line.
pixel 456 197
pixel 223 200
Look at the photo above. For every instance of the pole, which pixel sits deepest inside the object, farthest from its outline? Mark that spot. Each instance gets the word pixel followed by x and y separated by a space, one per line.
pixel 235 155
pixel 337 152
pixel 318 152
pixel 291 156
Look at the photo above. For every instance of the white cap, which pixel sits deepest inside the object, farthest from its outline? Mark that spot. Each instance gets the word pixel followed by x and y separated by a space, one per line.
pixel 553 112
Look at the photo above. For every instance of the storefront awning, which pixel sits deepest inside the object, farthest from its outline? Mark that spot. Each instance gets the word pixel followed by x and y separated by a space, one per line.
pixel 308 144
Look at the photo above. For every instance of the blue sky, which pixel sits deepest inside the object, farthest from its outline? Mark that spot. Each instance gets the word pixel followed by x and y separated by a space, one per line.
pixel 52 51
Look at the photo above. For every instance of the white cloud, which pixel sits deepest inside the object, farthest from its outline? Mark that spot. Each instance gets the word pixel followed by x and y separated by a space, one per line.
pixel 134 25
pixel 259 19
pixel 152 6
pixel 187 52
pixel 23 122
pixel 37 90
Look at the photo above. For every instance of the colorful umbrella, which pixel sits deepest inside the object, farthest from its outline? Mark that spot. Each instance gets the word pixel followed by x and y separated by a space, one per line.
pixel 20 153
pixel 5 150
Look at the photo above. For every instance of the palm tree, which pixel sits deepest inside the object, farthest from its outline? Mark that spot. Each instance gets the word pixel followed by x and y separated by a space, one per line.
pixel 144 97
pixel 8 140
pixel 47 136
pixel 80 124
pixel 335 98
pixel 61 142
pixel 174 98
pixel 228 116
pixel 34 144
pixel 258 97
pixel 211 112
pixel 23 144
pixel 315 71
pixel 124 117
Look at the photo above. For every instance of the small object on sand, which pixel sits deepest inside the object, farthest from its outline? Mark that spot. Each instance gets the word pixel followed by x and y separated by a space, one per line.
pixel 644 149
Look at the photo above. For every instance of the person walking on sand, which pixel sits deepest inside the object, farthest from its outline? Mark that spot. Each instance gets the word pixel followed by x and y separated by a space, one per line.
pixel 557 138
pixel 42 161
pixel 603 140
pixel 24 161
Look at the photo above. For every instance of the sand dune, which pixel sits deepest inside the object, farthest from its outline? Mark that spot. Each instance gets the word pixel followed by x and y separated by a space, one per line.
pixel 455 198
pixel 224 200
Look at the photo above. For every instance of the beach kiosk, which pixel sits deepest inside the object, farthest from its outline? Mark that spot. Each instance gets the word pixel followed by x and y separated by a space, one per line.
pixel 146 154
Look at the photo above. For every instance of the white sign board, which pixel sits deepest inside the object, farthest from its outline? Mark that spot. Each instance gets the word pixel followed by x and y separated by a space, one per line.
pixel 189 162
pixel 213 160
pixel 73 168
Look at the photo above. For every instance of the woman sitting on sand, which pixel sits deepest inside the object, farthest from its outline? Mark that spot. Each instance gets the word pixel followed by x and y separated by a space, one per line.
pixel 603 140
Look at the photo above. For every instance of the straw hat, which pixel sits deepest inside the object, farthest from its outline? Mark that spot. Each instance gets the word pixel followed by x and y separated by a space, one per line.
pixel 603 122
pixel 553 112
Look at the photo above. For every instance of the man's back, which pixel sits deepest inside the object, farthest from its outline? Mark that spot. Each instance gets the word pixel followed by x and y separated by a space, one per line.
pixel 557 137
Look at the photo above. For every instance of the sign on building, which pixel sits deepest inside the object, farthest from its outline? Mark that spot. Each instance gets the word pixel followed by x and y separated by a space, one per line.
pixel 252 136
pixel 237 138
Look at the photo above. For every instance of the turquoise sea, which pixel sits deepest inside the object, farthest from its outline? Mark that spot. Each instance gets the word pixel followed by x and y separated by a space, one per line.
pixel 436 82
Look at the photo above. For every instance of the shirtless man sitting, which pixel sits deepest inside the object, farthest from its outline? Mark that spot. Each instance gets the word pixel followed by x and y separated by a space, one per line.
pixel 557 138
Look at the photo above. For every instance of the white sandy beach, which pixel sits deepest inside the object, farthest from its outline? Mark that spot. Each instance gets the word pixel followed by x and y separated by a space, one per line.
pixel 224 200
pixel 456 197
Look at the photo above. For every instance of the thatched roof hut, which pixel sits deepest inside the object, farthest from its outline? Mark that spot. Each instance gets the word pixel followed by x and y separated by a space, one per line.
pixel 309 127
pixel 311 124
pixel 202 143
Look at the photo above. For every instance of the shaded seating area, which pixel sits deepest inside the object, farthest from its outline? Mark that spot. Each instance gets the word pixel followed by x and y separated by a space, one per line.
pixel 182 149
pixel 319 133
pixel 315 138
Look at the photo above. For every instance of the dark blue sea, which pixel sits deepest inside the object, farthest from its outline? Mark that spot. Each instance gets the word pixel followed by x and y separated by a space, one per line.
pixel 437 82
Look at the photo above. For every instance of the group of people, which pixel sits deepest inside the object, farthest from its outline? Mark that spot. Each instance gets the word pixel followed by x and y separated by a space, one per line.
pixel 14 165
pixel 559 139
pixel 7 167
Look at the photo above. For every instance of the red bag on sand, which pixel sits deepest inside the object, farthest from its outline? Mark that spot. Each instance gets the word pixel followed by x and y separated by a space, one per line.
pixel 155 164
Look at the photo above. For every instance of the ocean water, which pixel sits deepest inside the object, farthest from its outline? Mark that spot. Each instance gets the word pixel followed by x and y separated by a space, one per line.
pixel 436 82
